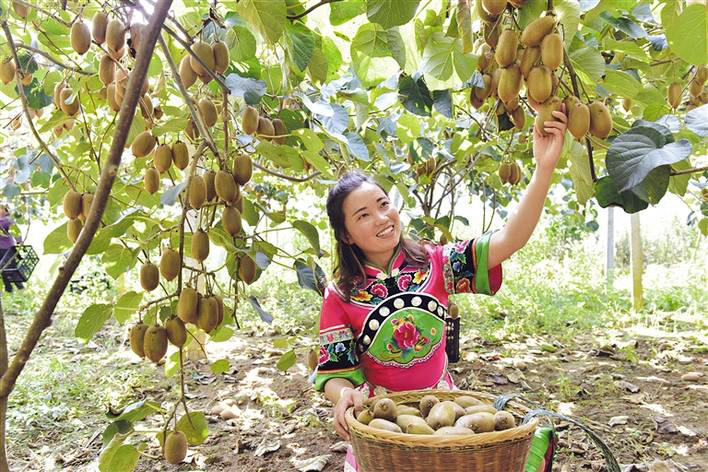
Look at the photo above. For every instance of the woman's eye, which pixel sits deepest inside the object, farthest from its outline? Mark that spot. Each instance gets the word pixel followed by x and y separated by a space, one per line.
pixel 363 215
pixel 384 204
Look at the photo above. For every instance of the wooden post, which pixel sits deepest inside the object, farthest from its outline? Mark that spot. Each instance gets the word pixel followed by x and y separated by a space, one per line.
pixel 610 251
pixel 637 261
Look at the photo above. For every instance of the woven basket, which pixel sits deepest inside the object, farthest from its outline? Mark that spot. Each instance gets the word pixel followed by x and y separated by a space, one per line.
pixel 384 451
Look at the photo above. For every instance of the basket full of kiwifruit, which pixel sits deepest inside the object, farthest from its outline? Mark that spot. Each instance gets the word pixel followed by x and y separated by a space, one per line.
pixel 440 430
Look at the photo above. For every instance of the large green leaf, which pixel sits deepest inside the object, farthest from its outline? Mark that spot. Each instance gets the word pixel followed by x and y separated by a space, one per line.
pixel 580 172
pixel 390 13
pixel 56 242
pixel 622 84
pixel 588 63
pixel 415 96
pixel 301 43
pixel 267 16
pixel 678 184
pixel 126 306
pixel 92 320
pixel 687 33
pixel 194 426
pixel 607 194
pixel 310 232
pixel 438 57
pixel 344 10
pixel 697 120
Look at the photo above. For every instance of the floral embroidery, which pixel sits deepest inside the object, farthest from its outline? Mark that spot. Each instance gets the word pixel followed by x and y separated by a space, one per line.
pixel 419 276
pixel 339 348
pixel 381 287
pixel 324 355
pixel 406 337
pixel 362 296
pixel 459 266
pixel 379 290
pixel 462 286
pixel 404 282
pixel 460 247
pixel 337 335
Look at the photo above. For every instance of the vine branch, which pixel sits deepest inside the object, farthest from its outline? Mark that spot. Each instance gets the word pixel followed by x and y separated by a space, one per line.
pixel 306 12
pixel 286 177
pixel 689 171
pixel 55 61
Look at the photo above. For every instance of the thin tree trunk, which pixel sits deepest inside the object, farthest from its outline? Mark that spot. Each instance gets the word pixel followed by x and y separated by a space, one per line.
pixel 610 264
pixel 637 261
pixel 3 400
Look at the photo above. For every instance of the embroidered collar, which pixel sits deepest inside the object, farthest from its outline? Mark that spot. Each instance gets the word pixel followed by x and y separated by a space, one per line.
pixel 391 269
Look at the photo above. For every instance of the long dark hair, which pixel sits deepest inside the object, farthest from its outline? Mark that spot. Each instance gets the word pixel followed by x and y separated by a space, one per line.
pixel 349 265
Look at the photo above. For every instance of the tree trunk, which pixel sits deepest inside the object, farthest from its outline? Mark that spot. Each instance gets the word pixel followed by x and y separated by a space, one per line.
pixel 637 261
pixel 4 467
pixel 610 263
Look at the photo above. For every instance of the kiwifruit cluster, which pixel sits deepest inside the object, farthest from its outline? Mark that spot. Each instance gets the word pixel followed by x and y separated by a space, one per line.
pixel 215 56
pixel 697 94
pixel 463 416
pixel 149 341
pixel 205 311
pixel 509 173
pixel 76 208
pixel 164 156
pixel 262 126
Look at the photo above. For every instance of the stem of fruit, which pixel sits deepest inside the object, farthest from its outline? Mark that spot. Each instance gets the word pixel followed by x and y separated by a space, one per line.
pixel 185 207
pixel 286 177
pixel 574 81
pixel 53 60
pixel 689 171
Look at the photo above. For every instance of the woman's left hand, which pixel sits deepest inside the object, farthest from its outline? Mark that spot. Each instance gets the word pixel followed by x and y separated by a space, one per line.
pixel 547 149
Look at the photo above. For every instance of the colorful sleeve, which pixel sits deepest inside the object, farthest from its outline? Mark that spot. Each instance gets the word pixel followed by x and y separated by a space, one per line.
pixel 465 269
pixel 338 357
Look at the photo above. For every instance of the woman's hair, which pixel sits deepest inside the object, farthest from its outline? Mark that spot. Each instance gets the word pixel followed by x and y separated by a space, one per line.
pixel 349 265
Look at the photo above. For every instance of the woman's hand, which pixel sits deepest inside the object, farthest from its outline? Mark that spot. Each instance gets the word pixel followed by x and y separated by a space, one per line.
pixel 547 149
pixel 348 397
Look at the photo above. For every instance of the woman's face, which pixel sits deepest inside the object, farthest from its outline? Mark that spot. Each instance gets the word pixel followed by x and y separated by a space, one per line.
pixel 3 211
pixel 371 222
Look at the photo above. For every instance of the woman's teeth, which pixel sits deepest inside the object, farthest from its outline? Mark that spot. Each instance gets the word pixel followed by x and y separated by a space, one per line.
pixel 385 232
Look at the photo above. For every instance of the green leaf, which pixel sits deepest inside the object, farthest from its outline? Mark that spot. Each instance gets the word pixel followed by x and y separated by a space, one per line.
pixel 703 226
pixel 568 14
pixel 697 120
pixel 678 184
pixel 606 193
pixel 687 33
pixel 310 232
pixel 125 459
pixel 589 63
pixel 222 334
pixel 194 427
pixel 438 55
pixel 220 366
pixel 371 40
pixel 126 305
pixel 244 44
pixel 56 242
pixel 286 361
pixel 580 172
pixel 389 13
pixel 343 11
pixel 92 320
pixel 267 16
pixel 301 43
pixel 415 96
pixel 621 83
pixel 654 186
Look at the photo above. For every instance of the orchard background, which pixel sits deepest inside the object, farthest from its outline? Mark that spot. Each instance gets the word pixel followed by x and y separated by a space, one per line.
pixel 153 151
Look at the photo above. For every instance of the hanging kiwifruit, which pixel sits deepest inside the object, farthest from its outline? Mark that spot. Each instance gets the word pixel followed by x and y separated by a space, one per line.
pixel 203 51
pixel 146 108
pixel 149 277
pixel 180 155
pixel 72 204
pixel 117 55
pixel 482 93
pixel 99 25
pixel 600 120
pixel 21 10
pixel 507 47
pixel 136 35
pixel 7 75
pixel 534 33
pixel 518 117
pixel 494 7
pixel 208 314
pixel 231 220
pixel 220 307
pixel 280 131
pixel 504 172
pixel 69 101
pixel 225 186
pixel 509 83
pixel 106 69
pixel 539 83
pixel 578 118
pixel 170 264
pixel 80 37
pixel 247 269
pixel 137 338
pixel 176 331
pixel 86 202
pixel 249 119
pixel 265 128
pixel 163 158
pixel 175 449
pixel 545 113
pixel 115 36
pixel 155 343
pixel 673 95
pixel 208 111
pixel 515 174
pixel 243 169
pixel 209 178
pixel 143 144
pixel 221 56
pixel 111 97
pixel 191 130
pixel 491 33
pixel 483 14
pixel 197 192
pixel 552 51
pixel 200 245
pixel 73 229
pixel 187 305
pixel 529 58
pixel 474 101
pixel 186 73
pixel 151 180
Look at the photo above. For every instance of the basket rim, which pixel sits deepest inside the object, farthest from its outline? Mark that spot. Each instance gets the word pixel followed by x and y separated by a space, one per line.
pixel 481 439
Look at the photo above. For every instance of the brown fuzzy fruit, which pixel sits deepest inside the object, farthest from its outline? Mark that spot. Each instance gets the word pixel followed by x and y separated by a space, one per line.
pixel 115 36
pixel 578 118
pixel 518 117
pixel 208 111
pixel 86 201
pixel 209 177
pixel 187 305
pixel 600 120
pixel 529 59
pixel 186 73
pixel 504 172
pixel 483 14
pixel 673 95
pixel 231 220
pixel 197 192
pixel 503 420
pixel 225 186
pixel 220 307
pixel 111 97
pixel 247 269
pixel 137 338
pixel 149 277
pixel 509 84
pixel 7 74
pixel 491 34
pixel 106 69
pixel 180 155
pixel 175 449
pixel 99 25
pixel 176 331
pixel 545 113
pixel 515 176
pixel 552 51
pixel 143 144
pixel 200 245
pixel 191 130
pixel 477 422
pixel 482 93
pixel 203 51
pixel 155 343
pixel 243 169
pixel 73 229
pixel 208 314
pixel 72 204
pixel 534 33
pixel 151 180
pixel 249 119
pixel 80 37
pixel 506 48
pixel 163 158
pixel 68 101
pixel 539 83
pixel 117 55
pixel 221 56
pixel 494 7
pixel 280 131
pixel 21 10
pixel 265 128
pixel 170 264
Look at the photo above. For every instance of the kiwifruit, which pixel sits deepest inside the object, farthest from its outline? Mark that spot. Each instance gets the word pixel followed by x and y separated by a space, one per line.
pixel 483 92
pixel 280 131
pixel 365 416
pixel 247 269
pixel 146 108
pixel 203 51
pixel 86 201
pixel 494 7
pixel 413 425
pixel 507 47
pixel 209 177
pixel 385 409
pixel 69 101
pixel 151 180
pixel 385 425
pixel 7 74
pixel 170 264
pixel 197 192
pixel 491 33
pixel 136 35
pixel 529 58
pixel 175 449
pixel 137 338
pixel 72 204
pixel 163 158
pixel 552 51
pixel 187 305
pixel 509 83
pixel 186 73
pixel 503 420
pixel 220 308
pixel 454 310
pixel 441 414
pixel 673 94
pixel 231 220
pixel 225 186
pixel 578 118
pixel 701 74
pixel 695 88
pixel 73 229
pixel 106 69
pixel 249 119
pixel 243 169
pixel 407 410
pixel 453 431
pixel 483 14
pixel 149 276
pixel 111 97
pixel 478 422
pixel 200 245
pixel 539 83
pixel 459 411
pixel 534 33
pixel 600 120
pixel 312 362
pixel 115 35
pixel 426 403
pixel 518 117
pixel 504 172
pixel 191 130
pixel 116 54
pixel 265 128
pixel 570 100
pixel 208 111
pixel 239 204
pixel 155 343
pixel 143 144
pixel 58 87
pixel 483 408
pixel 21 10
pixel 99 24
pixel 486 58
pixel 176 332
pixel 466 401
pixel 208 314
pixel 180 155
pixel 80 37
pixel 545 113
pixel 221 56
pixel 515 175
pixel 627 104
